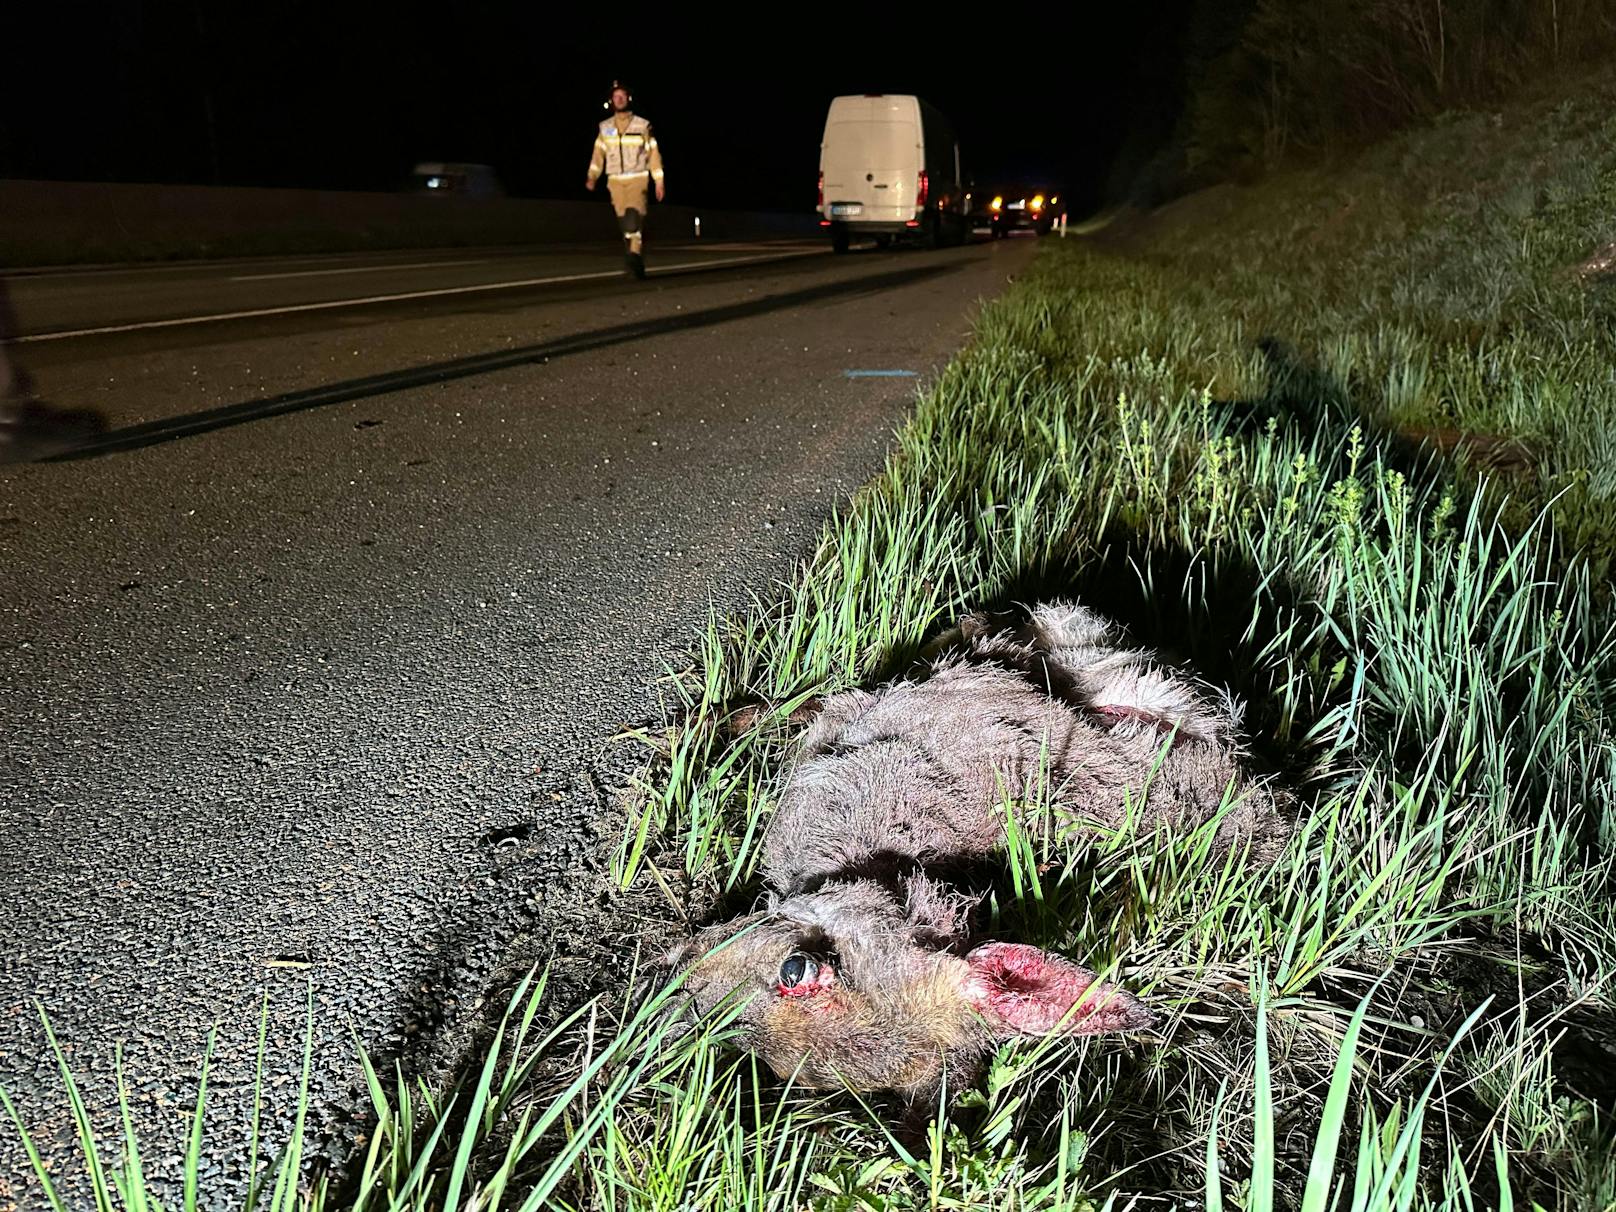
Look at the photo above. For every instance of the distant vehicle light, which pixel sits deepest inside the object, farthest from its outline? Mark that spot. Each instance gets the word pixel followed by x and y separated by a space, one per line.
pixel 998 203
pixel 1055 201
pixel 1038 201
pixel 434 182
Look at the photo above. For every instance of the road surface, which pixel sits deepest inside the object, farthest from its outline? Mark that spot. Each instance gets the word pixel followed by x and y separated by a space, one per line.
pixel 64 304
pixel 313 664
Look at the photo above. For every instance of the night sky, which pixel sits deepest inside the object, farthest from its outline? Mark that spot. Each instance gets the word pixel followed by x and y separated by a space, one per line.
pixel 349 96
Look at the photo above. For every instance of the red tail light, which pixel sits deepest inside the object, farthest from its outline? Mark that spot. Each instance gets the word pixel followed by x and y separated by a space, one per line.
pixel 820 205
pixel 920 193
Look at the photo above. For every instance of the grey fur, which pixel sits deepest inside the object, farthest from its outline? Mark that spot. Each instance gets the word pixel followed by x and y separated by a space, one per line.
pixel 891 784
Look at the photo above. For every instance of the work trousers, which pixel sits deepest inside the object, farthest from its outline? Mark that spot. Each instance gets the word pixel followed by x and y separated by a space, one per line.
pixel 630 197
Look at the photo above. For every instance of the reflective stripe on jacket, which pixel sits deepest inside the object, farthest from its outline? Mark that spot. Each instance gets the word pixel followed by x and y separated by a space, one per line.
pixel 629 152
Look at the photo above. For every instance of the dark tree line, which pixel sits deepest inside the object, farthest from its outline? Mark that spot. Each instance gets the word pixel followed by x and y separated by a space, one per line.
pixel 1271 80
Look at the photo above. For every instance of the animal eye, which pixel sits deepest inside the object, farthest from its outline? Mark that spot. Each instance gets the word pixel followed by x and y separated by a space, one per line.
pixel 797 971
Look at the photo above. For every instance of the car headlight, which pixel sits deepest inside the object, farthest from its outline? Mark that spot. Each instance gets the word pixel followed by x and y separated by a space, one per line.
pixel 997 203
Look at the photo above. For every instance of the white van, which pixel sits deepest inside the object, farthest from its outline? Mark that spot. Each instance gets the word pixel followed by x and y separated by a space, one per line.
pixel 889 167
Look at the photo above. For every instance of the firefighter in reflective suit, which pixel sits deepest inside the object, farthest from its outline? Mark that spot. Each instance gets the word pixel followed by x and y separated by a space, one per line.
pixel 626 152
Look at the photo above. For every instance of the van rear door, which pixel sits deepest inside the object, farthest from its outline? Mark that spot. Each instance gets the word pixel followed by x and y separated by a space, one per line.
pixel 871 158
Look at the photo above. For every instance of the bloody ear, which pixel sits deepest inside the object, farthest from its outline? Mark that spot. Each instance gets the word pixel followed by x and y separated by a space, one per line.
pixel 1020 990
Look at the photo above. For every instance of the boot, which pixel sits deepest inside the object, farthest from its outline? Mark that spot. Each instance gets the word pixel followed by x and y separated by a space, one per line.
pixel 636 265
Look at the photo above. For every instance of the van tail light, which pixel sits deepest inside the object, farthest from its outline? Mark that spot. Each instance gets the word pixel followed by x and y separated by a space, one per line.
pixel 922 191
pixel 820 205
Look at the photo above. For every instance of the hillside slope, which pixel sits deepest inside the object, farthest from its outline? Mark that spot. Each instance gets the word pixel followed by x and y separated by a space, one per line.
pixel 1455 284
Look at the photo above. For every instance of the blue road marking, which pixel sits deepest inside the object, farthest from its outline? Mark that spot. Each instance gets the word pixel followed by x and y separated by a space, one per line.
pixel 881 374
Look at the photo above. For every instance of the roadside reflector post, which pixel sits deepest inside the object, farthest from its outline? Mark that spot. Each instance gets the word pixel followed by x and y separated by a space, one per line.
pixel 698 227
pixel 1063 227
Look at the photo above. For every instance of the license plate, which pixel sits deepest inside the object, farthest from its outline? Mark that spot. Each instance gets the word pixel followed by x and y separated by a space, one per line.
pixel 846 208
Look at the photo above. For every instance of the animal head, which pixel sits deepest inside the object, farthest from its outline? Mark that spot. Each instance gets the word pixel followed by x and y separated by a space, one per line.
pixel 862 986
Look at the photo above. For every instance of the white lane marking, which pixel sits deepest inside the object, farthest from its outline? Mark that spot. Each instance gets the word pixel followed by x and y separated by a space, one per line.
pixel 352 269
pixel 411 294
pixel 202 266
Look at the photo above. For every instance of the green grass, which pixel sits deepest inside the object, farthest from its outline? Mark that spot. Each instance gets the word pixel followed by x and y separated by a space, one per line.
pixel 1211 429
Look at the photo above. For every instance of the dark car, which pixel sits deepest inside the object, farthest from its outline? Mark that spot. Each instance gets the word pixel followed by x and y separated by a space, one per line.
pixel 1008 208
pixel 456 180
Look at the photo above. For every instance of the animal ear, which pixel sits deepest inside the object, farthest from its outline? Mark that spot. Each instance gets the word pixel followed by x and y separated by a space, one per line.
pixel 1020 990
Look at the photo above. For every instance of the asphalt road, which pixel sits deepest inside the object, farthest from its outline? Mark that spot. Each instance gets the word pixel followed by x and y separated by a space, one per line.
pixel 313 665
pixel 66 304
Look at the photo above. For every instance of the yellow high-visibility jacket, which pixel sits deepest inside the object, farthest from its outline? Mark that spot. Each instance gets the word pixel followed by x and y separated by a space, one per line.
pixel 626 149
